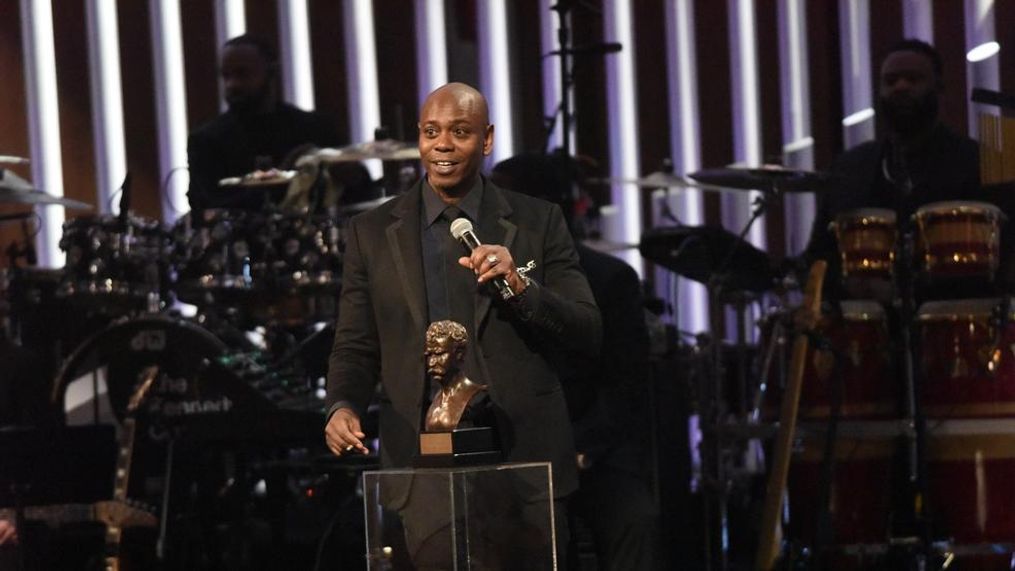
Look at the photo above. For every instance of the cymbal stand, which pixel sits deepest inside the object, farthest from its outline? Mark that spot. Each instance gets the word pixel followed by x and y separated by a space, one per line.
pixel 716 473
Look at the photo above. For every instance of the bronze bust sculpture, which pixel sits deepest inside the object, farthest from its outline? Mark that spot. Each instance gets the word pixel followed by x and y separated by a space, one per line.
pixel 446 343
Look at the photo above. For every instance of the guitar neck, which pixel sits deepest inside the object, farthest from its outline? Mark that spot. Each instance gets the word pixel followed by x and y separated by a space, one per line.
pixel 123 459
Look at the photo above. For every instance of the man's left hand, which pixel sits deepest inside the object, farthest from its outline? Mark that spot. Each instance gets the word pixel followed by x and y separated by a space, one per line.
pixel 8 533
pixel 489 261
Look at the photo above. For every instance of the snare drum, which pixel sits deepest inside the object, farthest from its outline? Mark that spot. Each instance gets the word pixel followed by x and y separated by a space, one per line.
pixel 861 340
pixel 959 239
pixel 866 242
pixel 114 262
pixel 966 364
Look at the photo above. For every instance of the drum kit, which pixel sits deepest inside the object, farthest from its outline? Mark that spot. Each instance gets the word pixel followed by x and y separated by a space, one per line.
pixel 272 275
pixel 906 437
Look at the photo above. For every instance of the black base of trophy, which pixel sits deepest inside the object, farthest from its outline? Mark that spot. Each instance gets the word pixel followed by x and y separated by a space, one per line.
pixel 458 447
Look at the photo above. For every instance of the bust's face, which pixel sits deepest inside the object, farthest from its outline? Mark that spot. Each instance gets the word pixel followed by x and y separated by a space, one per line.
pixel 442 360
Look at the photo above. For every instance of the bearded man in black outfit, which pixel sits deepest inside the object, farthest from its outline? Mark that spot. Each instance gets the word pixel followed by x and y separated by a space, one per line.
pixel 258 132
pixel 917 160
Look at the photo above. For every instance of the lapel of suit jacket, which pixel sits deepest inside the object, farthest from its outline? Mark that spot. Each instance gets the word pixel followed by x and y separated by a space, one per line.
pixel 404 242
pixel 495 212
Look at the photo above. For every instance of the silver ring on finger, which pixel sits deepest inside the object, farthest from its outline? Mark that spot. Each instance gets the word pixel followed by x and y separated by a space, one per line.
pixel 492 259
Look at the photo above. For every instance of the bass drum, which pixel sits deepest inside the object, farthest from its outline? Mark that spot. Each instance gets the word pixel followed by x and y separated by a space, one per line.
pixel 180 348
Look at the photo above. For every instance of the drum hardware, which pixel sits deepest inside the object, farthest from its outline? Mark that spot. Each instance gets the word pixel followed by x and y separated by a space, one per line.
pixel 13 160
pixel 769 178
pixel 16 190
pixel 384 149
pixel 663 179
pixel 259 178
pixel 116 263
pixel 701 253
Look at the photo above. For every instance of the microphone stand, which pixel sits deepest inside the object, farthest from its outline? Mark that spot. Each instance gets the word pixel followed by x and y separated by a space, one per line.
pixel 916 425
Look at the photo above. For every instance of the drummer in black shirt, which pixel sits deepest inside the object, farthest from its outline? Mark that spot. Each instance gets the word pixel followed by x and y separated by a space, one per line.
pixel 258 132
pixel 917 160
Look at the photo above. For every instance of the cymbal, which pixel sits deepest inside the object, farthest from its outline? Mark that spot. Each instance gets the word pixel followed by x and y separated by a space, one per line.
pixel 772 178
pixel 357 207
pixel 258 179
pixel 383 149
pixel 16 190
pixel 608 247
pixel 661 179
pixel 709 254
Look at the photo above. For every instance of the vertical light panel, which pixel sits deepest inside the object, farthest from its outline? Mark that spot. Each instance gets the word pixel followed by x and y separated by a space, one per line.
pixel 361 63
pixel 43 124
pixel 746 113
pixel 107 101
pixel 982 54
pixel 294 40
pixel 857 90
pixel 688 297
pixel 230 21
pixel 549 27
pixel 798 145
pixel 494 74
pixel 622 127
pixel 918 19
pixel 171 106
pixel 549 24
pixel 431 47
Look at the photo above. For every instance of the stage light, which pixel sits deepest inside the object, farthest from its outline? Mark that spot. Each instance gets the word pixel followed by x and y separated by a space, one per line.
pixel 622 127
pixel 230 21
pixel 494 74
pixel 431 47
pixel 983 51
pixel 43 124
pixel 858 117
pixel 107 101
pixel 171 106
pixel 361 63
pixel 690 298
pixel 294 38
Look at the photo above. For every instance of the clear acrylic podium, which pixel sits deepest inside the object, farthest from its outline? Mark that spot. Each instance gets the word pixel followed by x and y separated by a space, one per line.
pixel 497 516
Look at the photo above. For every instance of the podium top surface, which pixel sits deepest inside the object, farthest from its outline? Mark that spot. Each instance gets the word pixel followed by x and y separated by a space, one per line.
pixel 461 469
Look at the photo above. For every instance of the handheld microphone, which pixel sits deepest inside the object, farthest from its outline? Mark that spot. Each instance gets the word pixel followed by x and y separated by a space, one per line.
pixel 461 230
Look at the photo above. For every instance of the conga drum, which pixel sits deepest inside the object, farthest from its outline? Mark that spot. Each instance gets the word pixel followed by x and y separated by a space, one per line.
pixel 856 367
pixel 859 495
pixel 866 239
pixel 968 373
pixel 959 239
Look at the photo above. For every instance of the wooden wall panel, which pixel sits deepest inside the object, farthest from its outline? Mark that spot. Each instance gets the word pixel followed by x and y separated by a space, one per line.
pixel 825 70
pixel 950 40
pixel 714 101
pixel 13 120
pixel 140 129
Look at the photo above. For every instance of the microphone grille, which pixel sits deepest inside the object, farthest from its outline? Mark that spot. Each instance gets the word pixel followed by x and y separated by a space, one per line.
pixel 460 226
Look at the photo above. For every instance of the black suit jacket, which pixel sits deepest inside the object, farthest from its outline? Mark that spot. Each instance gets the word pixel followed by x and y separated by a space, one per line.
pixel 382 325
